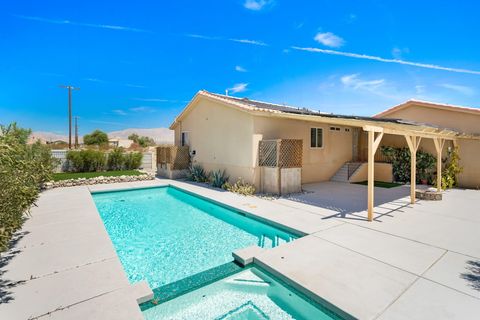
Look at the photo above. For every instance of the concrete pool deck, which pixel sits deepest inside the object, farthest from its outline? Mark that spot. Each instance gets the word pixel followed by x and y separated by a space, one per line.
pixel 412 262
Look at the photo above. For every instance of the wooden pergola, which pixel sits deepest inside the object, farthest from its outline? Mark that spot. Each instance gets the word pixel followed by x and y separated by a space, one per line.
pixel 413 137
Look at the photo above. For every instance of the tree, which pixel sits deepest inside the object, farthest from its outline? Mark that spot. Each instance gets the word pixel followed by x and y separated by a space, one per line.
pixel 142 141
pixel 97 137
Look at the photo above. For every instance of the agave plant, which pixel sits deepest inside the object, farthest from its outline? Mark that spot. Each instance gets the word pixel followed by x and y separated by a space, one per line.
pixel 218 178
pixel 197 173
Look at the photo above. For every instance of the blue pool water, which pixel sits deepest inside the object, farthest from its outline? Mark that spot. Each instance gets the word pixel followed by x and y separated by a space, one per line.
pixel 163 235
pixel 250 294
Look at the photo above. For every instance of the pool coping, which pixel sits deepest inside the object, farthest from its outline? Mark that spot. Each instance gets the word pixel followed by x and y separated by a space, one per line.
pixel 199 191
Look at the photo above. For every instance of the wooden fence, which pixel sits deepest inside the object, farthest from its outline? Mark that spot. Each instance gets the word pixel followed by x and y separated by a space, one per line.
pixel 176 156
pixel 282 153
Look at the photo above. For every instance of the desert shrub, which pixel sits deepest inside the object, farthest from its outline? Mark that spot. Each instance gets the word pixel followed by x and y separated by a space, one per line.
pixel 451 169
pixel 197 173
pixel 86 160
pixel 400 159
pixel 23 168
pixel 142 141
pixel 133 160
pixel 218 178
pixel 97 137
pixel 240 187
pixel 116 159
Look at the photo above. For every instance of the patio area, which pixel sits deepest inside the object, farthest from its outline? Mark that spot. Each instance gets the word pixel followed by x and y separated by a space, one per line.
pixel 417 261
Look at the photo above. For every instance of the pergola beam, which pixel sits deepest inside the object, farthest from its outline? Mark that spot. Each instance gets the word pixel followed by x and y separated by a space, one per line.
pixel 439 143
pixel 373 143
pixel 413 143
pixel 416 133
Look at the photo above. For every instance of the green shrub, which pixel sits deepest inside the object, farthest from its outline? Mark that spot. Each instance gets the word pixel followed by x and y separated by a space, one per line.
pixel 97 137
pixel 218 178
pixel 400 159
pixel 142 141
pixel 452 169
pixel 23 168
pixel 86 160
pixel 132 160
pixel 240 187
pixel 197 173
pixel 116 159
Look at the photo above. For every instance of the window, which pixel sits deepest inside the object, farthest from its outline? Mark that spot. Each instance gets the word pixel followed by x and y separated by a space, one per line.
pixel 316 138
pixel 185 139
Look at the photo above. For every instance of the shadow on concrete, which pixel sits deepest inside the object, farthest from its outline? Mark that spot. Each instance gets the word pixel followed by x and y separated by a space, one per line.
pixel 473 274
pixel 349 201
pixel 5 284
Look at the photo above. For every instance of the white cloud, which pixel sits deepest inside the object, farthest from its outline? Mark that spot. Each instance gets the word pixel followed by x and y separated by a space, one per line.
pixel 248 41
pixel 375 58
pixel 329 39
pixel 397 52
pixel 142 109
pixel 91 25
pixel 468 91
pixel 352 17
pixel 205 37
pixel 119 112
pixel 353 81
pixel 257 5
pixel 240 69
pixel 94 80
pixel 419 89
pixel 133 85
pixel 237 88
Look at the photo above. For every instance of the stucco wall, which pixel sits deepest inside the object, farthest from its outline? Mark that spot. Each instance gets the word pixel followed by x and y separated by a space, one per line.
pixel 222 138
pixel 319 164
pixel 464 122
pixel 382 171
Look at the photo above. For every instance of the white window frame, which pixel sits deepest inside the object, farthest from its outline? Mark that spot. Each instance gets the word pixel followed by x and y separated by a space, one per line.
pixel 323 138
pixel 187 134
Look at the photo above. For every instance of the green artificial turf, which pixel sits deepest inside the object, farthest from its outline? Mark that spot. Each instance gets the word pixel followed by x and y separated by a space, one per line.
pixel 78 175
pixel 381 184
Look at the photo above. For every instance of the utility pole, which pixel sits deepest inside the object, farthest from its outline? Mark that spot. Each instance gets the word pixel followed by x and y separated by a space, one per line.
pixel 70 88
pixel 76 132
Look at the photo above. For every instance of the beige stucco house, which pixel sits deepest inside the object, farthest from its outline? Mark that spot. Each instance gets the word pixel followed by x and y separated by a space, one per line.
pixel 224 132
pixel 461 119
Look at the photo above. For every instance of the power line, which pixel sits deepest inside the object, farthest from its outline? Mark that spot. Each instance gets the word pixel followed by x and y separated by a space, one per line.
pixel 70 88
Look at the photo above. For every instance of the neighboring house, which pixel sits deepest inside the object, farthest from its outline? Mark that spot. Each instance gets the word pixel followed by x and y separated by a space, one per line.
pixel 462 119
pixel 224 132
pixel 118 142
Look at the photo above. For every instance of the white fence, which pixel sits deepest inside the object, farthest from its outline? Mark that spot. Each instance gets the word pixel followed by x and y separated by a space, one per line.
pixel 149 162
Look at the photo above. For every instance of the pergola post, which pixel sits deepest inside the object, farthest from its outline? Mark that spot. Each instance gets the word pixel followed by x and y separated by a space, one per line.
pixel 413 143
pixel 373 143
pixel 439 143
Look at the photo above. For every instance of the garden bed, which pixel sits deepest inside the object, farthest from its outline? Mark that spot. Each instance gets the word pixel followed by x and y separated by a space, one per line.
pixel 90 178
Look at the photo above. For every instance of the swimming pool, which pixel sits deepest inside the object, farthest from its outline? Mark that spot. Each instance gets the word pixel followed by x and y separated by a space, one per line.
pixel 251 294
pixel 163 234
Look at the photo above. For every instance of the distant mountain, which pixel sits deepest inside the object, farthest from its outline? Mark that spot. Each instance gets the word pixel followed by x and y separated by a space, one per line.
pixel 160 135
pixel 48 136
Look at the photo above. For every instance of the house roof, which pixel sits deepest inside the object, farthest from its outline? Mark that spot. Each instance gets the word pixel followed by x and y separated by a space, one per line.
pixel 262 108
pixel 427 104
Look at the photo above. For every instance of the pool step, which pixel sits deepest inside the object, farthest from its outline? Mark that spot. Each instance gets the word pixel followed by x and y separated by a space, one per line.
pixel 266 242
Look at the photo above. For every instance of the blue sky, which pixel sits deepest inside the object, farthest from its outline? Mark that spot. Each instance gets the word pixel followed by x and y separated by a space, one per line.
pixel 138 62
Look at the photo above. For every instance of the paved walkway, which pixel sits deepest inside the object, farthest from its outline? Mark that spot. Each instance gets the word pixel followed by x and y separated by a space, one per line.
pixel 412 262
